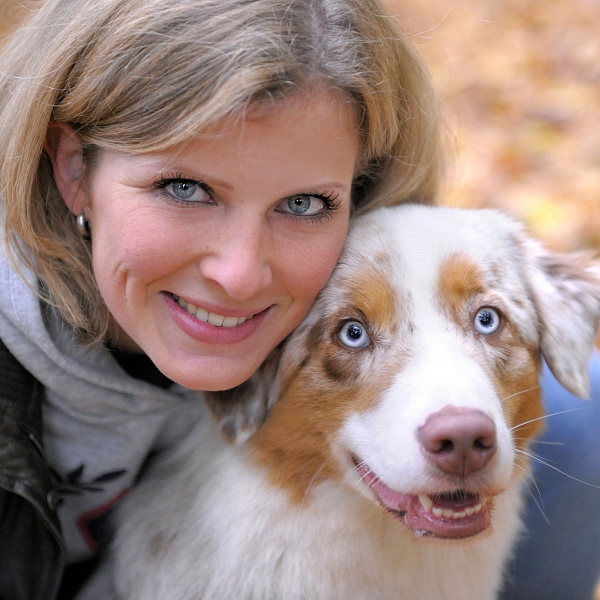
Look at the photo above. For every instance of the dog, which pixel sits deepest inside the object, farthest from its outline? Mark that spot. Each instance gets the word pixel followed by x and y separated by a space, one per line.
pixel 381 452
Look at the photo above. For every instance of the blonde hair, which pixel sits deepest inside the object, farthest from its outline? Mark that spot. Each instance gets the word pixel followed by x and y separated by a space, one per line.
pixel 135 76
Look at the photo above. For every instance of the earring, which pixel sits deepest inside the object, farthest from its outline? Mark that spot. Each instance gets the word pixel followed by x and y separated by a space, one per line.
pixel 83 226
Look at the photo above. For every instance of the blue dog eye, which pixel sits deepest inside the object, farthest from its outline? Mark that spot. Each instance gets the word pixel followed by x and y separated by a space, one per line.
pixel 354 335
pixel 487 321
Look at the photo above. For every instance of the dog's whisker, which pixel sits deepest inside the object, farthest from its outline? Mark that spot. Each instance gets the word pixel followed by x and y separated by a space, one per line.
pixel 545 443
pixel 312 482
pixel 524 467
pixel 540 505
pixel 541 461
pixel 302 466
pixel 535 387
pixel 351 472
pixel 529 474
pixel 562 412
pixel 356 470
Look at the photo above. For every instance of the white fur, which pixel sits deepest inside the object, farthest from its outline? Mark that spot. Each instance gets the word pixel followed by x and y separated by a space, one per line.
pixel 206 524
pixel 236 537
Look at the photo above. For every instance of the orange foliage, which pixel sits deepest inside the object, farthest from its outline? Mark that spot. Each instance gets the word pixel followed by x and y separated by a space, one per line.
pixel 520 79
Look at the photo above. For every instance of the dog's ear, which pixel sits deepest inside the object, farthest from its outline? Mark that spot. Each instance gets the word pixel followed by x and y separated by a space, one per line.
pixel 241 410
pixel 566 292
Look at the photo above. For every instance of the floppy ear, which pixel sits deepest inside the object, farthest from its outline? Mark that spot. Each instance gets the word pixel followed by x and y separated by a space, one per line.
pixel 241 410
pixel 566 292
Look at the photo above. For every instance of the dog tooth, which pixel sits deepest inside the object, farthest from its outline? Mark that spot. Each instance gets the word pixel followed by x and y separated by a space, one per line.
pixel 230 322
pixel 470 511
pixel 242 320
pixel 437 512
pixel 447 513
pixel 426 502
pixel 478 507
pixel 182 302
pixel 216 320
pixel 202 314
pixel 191 308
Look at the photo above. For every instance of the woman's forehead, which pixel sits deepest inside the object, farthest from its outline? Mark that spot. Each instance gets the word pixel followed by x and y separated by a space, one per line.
pixel 266 124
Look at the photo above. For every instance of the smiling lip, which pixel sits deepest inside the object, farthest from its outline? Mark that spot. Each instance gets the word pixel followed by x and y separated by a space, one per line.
pixel 213 318
pixel 453 515
pixel 212 327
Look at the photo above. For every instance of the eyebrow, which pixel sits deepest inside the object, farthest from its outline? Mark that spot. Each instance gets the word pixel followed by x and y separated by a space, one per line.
pixel 193 172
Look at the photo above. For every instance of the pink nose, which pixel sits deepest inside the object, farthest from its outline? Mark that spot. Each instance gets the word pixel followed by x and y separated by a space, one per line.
pixel 459 441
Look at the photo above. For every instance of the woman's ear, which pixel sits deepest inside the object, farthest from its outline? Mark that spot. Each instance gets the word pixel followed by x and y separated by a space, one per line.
pixel 66 155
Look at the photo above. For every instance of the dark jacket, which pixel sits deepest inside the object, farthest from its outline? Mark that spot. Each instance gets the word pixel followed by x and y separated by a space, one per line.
pixel 32 554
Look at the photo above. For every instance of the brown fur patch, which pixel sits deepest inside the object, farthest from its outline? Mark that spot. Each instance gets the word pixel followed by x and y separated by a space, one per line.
pixel 459 279
pixel 520 394
pixel 370 292
pixel 294 444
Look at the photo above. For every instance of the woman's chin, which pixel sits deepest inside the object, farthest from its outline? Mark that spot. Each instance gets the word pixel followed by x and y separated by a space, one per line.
pixel 209 374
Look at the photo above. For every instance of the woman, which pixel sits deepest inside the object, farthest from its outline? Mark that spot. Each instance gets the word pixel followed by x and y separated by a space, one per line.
pixel 177 178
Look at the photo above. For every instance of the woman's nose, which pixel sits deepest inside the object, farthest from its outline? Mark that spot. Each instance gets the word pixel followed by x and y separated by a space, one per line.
pixel 237 261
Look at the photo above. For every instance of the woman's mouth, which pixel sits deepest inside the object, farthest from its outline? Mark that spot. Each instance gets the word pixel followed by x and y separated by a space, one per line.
pixel 209 317
pixel 211 327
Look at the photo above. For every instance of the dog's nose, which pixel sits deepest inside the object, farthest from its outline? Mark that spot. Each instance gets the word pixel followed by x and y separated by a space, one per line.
pixel 459 441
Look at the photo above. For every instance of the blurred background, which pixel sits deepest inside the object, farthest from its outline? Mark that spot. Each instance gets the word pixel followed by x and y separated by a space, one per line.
pixel 520 81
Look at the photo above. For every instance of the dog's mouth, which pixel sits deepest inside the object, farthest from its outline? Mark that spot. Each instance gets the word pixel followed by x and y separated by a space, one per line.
pixel 455 514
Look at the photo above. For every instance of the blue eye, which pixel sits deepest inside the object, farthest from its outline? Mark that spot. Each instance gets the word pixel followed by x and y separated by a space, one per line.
pixel 307 206
pixel 183 189
pixel 354 335
pixel 487 321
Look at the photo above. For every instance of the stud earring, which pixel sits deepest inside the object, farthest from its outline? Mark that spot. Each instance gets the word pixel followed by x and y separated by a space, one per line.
pixel 83 226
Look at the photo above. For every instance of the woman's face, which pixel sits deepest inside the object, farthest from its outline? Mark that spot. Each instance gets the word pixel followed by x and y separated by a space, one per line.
pixel 211 253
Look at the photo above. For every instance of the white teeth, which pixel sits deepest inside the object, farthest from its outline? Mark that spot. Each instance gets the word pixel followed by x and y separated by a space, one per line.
pixel 230 321
pixel 448 513
pixel 212 318
pixel 426 502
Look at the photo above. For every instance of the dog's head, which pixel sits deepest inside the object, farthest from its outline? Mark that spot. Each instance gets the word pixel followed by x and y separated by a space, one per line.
pixel 415 376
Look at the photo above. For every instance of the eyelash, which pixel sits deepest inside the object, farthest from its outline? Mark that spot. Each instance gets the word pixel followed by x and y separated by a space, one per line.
pixel 331 204
pixel 330 201
pixel 163 182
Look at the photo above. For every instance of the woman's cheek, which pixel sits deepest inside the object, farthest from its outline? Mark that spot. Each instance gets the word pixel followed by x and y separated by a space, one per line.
pixel 310 266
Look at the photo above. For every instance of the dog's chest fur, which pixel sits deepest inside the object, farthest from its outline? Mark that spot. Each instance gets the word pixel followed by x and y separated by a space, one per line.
pixel 324 500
